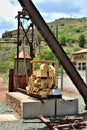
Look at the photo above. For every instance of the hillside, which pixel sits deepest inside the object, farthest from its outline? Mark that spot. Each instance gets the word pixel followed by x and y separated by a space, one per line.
pixel 71 28
pixel 66 30
pixel 7 54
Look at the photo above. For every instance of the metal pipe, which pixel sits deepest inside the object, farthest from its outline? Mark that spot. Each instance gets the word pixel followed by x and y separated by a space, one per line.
pixel 55 107
pixel 75 124
pixel 18 48
pixel 21 90
pixel 52 126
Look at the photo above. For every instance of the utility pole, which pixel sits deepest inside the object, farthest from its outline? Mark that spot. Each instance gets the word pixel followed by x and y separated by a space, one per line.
pixel 56 23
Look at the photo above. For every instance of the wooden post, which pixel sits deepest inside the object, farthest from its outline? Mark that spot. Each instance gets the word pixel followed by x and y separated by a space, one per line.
pixel 11 73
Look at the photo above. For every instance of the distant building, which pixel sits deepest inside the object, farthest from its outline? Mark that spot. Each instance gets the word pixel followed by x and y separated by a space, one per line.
pixel 79 59
pixel 10 34
pixel 13 33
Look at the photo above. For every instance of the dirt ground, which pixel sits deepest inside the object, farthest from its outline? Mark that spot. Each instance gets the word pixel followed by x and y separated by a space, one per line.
pixel 2 94
pixel 16 125
pixel 3 88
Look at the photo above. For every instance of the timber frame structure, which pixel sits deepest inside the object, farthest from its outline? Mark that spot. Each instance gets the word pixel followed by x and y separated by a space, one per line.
pixel 52 42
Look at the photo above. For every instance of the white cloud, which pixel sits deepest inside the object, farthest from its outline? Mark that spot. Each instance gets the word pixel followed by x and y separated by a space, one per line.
pixel 7 10
pixel 38 1
pixel 67 7
pixel 49 9
pixel 53 16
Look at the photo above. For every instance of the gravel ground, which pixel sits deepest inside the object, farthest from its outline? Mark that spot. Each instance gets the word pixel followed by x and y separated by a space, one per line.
pixel 33 124
pixel 20 124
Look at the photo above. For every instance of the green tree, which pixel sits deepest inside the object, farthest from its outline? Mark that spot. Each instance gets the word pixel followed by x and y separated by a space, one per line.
pixel 47 54
pixel 63 41
pixel 38 44
pixel 7 34
pixel 82 41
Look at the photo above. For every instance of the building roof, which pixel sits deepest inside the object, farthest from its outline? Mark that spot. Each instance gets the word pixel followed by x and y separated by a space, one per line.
pixel 23 55
pixel 81 51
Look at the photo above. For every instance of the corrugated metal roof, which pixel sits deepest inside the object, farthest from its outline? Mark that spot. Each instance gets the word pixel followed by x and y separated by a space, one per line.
pixel 23 55
pixel 81 51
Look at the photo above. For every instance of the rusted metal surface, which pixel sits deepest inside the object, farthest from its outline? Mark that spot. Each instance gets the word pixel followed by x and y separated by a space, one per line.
pixel 11 80
pixel 66 120
pixel 21 31
pixel 39 97
pixel 65 123
pixel 22 83
pixel 55 46
pixel 76 124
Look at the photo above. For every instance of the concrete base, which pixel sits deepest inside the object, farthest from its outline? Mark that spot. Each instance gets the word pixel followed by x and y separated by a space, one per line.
pixel 28 107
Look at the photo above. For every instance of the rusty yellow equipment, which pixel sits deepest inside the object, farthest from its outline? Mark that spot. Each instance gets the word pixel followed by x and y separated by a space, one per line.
pixel 43 78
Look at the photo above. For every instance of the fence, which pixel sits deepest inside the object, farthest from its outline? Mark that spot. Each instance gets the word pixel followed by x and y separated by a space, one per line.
pixel 65 83
pixel 62 79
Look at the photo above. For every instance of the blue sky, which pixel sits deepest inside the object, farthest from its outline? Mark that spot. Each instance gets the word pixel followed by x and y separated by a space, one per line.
pixel 49 9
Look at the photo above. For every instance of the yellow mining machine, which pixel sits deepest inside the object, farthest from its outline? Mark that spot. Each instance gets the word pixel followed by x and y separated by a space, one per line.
pixel 43 78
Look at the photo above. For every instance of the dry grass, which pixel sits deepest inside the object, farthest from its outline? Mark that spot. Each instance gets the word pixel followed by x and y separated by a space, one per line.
pixel 3 88
pixel 3 84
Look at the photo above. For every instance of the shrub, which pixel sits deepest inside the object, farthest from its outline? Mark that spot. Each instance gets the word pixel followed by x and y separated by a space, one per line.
pixel 82 40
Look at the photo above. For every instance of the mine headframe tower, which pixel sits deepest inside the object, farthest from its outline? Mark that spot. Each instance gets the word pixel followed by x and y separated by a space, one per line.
pixel 52 42
pixel 23 33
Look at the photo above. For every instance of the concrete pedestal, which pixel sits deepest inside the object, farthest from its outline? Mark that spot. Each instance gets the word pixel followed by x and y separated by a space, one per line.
pixel 29 107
